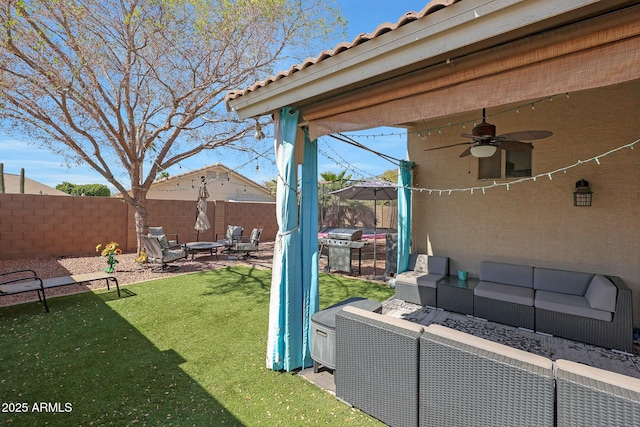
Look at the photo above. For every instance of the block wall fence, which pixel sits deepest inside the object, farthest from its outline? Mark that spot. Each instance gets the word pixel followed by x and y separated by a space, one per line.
pixel 34 226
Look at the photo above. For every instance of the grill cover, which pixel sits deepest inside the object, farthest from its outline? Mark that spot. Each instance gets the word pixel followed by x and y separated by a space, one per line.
pixel 345 234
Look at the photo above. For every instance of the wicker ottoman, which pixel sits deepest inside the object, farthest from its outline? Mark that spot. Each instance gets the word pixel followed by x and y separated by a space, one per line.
pixel 323 330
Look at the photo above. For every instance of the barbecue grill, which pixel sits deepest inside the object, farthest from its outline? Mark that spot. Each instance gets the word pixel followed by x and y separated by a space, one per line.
pixel 345 234
pixel 340 242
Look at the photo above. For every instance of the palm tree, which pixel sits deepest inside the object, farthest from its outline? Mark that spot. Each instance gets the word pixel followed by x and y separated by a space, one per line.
pixel 337 212
pixel 330 205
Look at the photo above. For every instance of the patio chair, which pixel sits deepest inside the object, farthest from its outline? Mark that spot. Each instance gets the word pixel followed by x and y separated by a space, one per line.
pixel 159 232
pixel 231 237
pixel 248 244
pixel 159 255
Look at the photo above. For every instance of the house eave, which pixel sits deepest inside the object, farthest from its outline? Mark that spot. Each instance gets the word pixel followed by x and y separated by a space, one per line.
pixel 461 29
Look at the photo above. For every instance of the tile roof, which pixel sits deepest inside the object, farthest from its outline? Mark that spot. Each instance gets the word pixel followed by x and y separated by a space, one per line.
pixel 383 28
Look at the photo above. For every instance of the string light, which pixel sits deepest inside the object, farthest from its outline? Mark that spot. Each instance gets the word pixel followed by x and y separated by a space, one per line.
pixel 531 178
pixel 427 131
pixel 221 180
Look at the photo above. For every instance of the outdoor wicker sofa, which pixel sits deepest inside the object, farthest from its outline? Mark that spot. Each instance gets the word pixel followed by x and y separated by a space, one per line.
pixel 470 381
pixel 377 365
pixel 418 284
pixel 586 307
pixel 589 396
pixel 505 294
pixel 614 328
pixel 407 374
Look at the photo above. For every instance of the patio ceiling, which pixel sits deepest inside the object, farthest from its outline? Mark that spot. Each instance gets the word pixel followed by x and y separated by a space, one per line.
pixel 467 55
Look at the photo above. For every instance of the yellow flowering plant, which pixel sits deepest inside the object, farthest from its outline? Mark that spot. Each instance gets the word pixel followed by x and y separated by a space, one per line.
pixel 142 257
pixel 110 251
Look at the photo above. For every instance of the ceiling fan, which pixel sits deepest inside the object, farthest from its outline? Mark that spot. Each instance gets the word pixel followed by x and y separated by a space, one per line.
pixel 485 142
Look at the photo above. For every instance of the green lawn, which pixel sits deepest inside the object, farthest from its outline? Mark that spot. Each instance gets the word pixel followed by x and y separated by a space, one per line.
pixel 186 350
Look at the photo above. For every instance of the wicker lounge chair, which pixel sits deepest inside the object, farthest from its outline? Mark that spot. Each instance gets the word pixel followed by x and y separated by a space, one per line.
pixel 231 236
pixel 248 244
pixel 157 254
pixel 159 232
pixel 21 281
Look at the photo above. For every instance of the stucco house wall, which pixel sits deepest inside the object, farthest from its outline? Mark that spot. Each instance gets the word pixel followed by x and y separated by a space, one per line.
pixel 222 184
pixel 536 223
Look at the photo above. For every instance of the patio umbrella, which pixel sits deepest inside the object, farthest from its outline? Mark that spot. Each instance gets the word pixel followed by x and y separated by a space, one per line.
pixel 370 190
pixel 202 222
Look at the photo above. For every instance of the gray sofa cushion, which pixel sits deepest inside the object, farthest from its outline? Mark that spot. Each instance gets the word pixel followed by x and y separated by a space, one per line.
pixel 410 277
pixel 419 279
pixel 430 280
pixel 601 294
pixel 419 263
pixel 566 282
pixel 439 265
pixel 570 304
pixel 508 293
pixel 510 274
pixel 429 264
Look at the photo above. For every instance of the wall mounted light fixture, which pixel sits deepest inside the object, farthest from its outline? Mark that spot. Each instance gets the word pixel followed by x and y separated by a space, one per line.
pixel 583 194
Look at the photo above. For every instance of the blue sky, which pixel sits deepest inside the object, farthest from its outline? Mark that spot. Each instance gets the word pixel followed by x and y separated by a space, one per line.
pixel 363 16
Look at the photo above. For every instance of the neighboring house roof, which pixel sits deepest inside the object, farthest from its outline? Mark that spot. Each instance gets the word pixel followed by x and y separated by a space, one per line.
pixel 12 186
pixel 222 184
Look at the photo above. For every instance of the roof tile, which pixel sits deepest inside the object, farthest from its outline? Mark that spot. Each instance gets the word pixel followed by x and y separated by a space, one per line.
pixel 383 28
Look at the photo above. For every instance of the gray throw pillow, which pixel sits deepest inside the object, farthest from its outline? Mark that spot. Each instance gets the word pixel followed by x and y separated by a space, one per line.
pixel 162 239
pixel 601 294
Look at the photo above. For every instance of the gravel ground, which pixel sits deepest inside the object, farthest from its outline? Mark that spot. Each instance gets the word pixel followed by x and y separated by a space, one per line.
pixel 128 271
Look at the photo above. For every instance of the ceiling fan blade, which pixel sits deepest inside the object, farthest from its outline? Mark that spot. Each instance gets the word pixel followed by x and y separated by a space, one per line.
pixel 448 146
pixel 527 135
pixel 465 153
pixel 515 146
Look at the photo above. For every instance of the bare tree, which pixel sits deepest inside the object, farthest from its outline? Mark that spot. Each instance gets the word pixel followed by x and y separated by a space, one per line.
pixel 122 84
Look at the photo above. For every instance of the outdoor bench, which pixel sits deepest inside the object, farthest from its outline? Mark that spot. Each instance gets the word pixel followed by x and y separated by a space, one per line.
pixel 17 282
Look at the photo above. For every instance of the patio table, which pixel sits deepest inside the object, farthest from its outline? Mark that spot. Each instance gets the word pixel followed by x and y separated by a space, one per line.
pixel 456 295
pixel 195 247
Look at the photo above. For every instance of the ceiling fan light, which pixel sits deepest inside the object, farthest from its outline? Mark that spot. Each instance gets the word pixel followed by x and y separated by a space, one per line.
pixel 483 150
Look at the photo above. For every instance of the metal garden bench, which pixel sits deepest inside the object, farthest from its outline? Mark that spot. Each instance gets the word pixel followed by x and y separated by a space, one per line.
pixel 20 281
